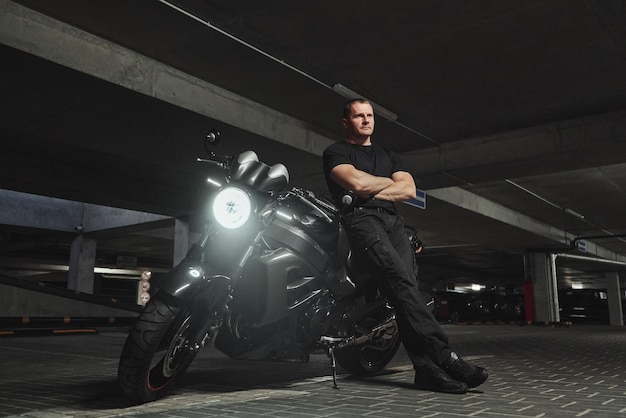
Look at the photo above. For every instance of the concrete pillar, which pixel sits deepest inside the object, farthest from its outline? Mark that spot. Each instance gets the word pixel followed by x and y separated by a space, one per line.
pixel 615 298
pixel 542 272
pixel 82 264
pixel 181 240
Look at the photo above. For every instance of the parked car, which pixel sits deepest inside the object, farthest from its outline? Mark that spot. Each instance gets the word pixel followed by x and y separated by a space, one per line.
pixel 486 305
pixel 515 307
pixel 450 306
pixel 584 305
pixel 491 305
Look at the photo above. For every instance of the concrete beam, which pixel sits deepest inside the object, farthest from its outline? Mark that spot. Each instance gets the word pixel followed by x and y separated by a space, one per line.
pixel 45 37
pixel 548 148
pixel 97 218
pixel 27 210
pixel 470 201
pixel 23 209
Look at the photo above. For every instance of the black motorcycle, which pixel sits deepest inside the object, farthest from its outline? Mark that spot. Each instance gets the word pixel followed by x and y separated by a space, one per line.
pixel 270 279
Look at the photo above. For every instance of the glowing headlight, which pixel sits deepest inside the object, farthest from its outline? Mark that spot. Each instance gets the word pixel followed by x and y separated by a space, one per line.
pixel 231 207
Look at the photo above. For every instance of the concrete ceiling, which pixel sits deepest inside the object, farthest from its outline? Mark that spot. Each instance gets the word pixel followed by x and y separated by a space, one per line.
pixel 510 115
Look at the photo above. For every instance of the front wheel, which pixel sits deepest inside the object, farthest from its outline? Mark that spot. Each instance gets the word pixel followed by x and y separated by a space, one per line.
pixel 371 357
pixel 158 349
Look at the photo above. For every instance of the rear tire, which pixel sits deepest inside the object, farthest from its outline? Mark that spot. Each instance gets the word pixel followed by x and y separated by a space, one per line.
pixel 156 351
pixel 367 359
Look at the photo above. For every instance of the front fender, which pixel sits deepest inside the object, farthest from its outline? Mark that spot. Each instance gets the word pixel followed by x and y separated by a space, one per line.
pixel 193 280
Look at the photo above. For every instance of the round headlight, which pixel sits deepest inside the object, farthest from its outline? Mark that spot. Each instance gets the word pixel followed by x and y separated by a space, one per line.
pixel 231 207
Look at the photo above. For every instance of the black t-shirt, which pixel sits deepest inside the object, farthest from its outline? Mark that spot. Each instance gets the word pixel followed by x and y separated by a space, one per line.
pixel 373 159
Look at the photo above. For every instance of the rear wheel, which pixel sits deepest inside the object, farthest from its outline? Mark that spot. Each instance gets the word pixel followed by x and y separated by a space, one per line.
pixel 158 350
pixel 372 356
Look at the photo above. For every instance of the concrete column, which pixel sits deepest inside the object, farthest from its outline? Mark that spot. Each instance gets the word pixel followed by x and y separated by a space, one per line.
pixel 542 272
pixel 181 240
pixel 82 264
pixel 615 298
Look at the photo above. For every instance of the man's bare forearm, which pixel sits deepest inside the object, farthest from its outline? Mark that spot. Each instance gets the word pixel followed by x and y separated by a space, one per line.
pixel 370 185
pixel 397 192
pixel 402 188
pixel 360 182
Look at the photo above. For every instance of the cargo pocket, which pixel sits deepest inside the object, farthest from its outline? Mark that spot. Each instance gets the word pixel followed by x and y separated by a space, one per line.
pixel 377 252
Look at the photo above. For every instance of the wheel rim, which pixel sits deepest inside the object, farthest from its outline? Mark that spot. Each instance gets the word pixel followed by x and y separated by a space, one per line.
pixel 178 350
pixel 378 351
pixel 175 357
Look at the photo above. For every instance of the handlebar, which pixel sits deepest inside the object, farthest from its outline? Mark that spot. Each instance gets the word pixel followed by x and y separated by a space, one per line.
pixel 222 161
pixel 309 198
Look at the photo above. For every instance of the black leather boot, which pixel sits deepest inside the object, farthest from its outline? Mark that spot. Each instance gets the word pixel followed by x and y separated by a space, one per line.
pixel 437 380
pixel 466 372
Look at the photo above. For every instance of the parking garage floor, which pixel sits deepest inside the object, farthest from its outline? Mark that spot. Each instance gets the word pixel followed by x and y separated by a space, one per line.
pixel 535 371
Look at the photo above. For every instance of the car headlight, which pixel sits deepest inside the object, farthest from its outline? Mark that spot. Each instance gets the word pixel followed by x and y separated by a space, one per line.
pixel 232 207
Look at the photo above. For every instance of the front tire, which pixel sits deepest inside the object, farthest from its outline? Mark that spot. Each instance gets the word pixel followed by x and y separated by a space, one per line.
pixel 157 351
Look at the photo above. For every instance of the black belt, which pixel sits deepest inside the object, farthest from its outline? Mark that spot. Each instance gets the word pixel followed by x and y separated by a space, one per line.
pixel 386 211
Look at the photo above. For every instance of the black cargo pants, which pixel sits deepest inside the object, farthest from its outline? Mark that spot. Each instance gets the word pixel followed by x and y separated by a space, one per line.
pixel 377 237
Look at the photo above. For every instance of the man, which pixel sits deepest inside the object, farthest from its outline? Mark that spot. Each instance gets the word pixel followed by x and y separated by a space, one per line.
pixel 376 233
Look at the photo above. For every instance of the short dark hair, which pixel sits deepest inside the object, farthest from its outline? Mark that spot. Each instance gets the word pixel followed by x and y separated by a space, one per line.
pixel 348 107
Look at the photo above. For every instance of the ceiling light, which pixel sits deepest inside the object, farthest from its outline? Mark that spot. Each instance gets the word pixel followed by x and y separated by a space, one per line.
pixel 351 94
pixel 574 213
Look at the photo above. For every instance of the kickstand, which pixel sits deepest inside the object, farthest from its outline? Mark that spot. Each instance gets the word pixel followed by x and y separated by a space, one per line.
pixel 330 343
pixel 333 365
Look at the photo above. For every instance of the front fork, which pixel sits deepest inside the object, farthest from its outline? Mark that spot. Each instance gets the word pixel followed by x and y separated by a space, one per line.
pixel 204 334
pixel 212 301
pixel 196 252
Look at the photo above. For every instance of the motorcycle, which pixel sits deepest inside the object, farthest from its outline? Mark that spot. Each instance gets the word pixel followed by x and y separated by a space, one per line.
pixel 271 278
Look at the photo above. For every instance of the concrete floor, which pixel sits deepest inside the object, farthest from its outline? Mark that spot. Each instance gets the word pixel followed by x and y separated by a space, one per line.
pixel 534 372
